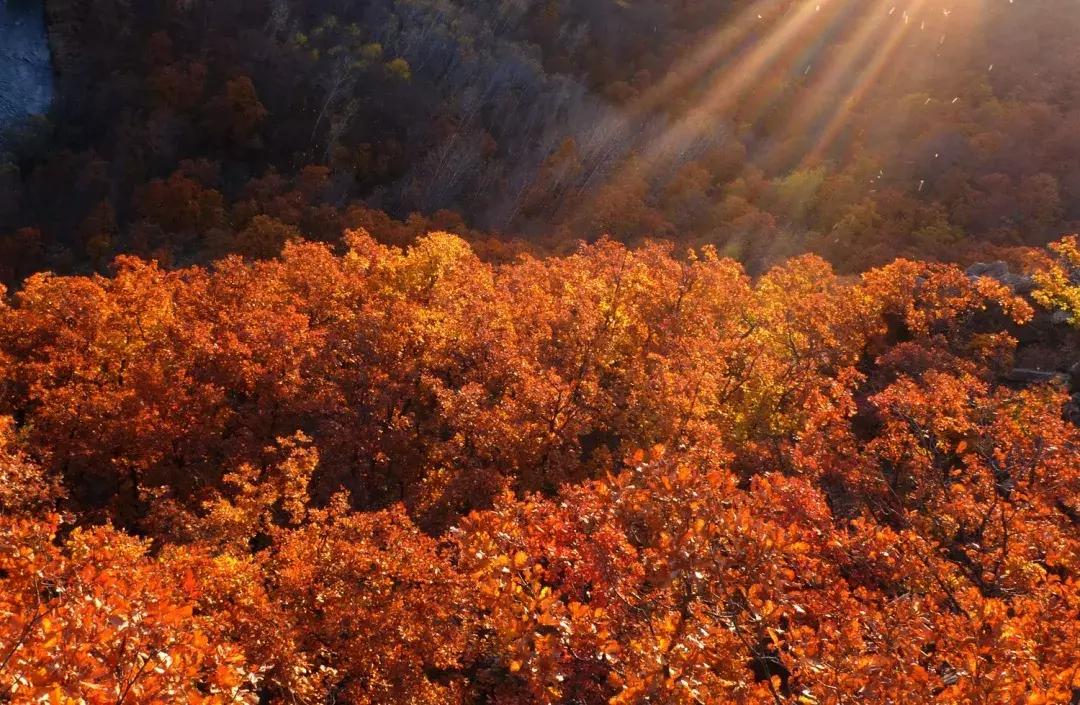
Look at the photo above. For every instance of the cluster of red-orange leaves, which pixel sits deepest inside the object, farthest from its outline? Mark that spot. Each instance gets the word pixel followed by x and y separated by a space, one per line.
pixel 622 476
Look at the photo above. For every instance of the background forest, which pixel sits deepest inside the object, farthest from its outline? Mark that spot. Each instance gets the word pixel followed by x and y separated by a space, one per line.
pixel 183 130
pixel 568 352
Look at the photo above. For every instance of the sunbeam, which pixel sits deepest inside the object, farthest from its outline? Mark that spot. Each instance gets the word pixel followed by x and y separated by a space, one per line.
pixel 721 44
pixel 724 88
pixel 729 85
pixel 865 81
pixel 838 74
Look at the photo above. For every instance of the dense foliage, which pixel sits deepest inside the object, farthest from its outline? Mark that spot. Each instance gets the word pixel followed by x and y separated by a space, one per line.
pixel 620 476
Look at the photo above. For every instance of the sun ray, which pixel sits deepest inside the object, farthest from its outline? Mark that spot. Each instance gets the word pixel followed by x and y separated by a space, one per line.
pixel 720 45
pixel 839 74
pixel 722 94
pixel 866 80
pixel 733 82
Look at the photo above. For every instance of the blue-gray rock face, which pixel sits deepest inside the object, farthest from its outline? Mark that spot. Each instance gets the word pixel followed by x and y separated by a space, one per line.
pixel 26 78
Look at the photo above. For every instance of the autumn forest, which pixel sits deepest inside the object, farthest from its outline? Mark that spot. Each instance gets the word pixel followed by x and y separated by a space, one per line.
pixel 540 352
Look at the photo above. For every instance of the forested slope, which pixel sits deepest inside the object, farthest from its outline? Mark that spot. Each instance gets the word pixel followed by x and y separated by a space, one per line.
pixel 860 131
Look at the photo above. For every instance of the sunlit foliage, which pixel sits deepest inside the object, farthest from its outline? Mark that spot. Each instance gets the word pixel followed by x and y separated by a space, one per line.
pixel 407 475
